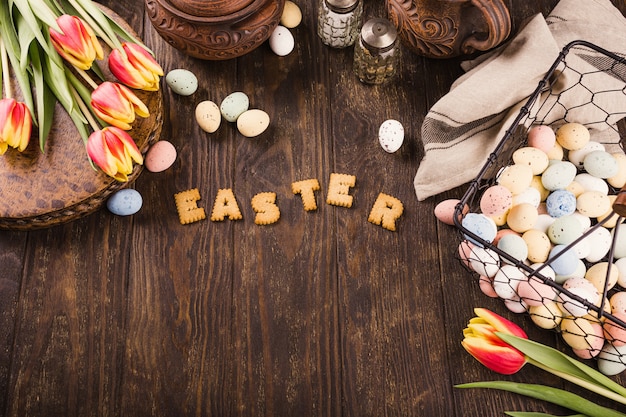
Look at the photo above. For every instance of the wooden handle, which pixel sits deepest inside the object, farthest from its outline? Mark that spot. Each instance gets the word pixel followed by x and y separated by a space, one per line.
pixel 619 206
pixel 498 20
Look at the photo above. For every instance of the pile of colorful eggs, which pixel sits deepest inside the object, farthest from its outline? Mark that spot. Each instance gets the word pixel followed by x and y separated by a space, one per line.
pixel 551 212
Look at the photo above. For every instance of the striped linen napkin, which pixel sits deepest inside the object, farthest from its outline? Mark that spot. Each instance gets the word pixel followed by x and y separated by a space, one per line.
pixel 464 126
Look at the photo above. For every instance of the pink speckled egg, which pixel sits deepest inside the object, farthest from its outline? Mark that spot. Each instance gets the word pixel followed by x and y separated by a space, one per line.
pixel 496 200
pixel 615 333
pixel 444 211
pixel 542 137
pixel 160 156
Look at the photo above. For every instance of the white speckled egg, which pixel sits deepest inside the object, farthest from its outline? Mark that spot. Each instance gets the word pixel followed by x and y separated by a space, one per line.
pixel 253 122
pixel 391 135
pixel 619 249
pixel 292 15
pixel 160 156
pixel 485 261
pixel 582 288
pixel 125 202
pixel 281 41
pixel 600 164
pixel 507 279
pixel 516 178
pixel 208 116
pixel 444 210
pixel 182 82
pixel 612 359
pixel 516 305
pixel 531 195
pixel 589 183
pixel 572 136
pixel 621 267
pixel 558 175
pixel 234 105
pixel 577 157
pixel 600 241
pixel 535 158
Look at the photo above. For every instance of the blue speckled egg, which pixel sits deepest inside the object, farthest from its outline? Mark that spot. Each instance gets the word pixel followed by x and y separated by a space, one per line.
pixel 125 202
pixel 182 82
pixel 480 225
pixel 561 203
pixel 600 164
pixel 234 105
pixel 565 263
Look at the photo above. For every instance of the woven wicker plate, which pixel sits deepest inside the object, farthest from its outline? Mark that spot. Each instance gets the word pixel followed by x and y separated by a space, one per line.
pixel 59 185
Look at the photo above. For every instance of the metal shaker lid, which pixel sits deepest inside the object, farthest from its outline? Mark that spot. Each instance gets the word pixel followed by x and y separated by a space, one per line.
pixel 342 6
pixel 379 34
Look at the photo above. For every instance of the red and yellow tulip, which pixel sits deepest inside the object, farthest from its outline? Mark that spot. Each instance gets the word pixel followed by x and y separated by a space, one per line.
pixel 117 105
pixel 15 125
pixel 76 43
pixel 483 344
pixel 135 67
pixel 113 150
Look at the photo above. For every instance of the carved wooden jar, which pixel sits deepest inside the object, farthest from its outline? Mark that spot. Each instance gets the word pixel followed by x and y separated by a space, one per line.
pixel 217 29
pixel 449 28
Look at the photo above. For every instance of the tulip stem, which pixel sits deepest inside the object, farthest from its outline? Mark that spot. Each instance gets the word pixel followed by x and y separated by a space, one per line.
pixel 87 78
pixel 5 70
pixel 85 110
pixel 581 382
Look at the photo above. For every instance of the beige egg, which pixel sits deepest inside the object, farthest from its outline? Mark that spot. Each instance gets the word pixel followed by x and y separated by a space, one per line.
pixel 596 342
pixel 535 158
pixel 556 153
pixel 516 178
pixel 208 116
pixel 538 185
pixel 597 275
pixel 522 217
pixel 618 302
pixel 253 122
pixel 612 221
pixel 539 245
pixel 619 180
pixel 292 15
pixel 572 136
pixel 546 315
pixel 593 204
pixel 575 188
pixel 578 332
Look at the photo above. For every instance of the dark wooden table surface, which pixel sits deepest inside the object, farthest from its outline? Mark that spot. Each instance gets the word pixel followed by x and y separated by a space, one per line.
pixel 320 314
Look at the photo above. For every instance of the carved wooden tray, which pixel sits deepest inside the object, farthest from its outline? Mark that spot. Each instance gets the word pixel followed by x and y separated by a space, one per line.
pixel 43 189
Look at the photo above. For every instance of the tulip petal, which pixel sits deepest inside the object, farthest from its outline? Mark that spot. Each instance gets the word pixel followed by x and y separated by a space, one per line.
pixel 502 359
pixel 500 323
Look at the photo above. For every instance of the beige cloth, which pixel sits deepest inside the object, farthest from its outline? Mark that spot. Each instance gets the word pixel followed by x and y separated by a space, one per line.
pixel 464 126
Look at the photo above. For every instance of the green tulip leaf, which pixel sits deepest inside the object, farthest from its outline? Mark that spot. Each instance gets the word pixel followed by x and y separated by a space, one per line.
pixel 550 394
pixel 46 100
pixel 532 414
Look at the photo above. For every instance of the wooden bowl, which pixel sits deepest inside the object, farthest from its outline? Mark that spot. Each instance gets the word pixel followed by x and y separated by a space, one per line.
pixel 44 189
pixel 215 30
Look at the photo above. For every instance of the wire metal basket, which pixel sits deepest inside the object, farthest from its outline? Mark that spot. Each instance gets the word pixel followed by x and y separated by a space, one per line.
pixel 552 104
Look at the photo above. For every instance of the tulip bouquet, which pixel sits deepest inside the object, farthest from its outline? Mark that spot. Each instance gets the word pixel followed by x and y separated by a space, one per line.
pixel 53 48
pixel 503 347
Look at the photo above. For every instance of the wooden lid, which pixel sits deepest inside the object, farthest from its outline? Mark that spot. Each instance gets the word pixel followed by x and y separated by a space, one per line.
pixel 214 8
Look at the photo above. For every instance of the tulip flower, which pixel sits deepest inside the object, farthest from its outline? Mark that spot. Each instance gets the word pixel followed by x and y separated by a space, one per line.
pixel 15 125
pixel 77 43
pixel 492 339
pixel 117 105
pixel 482 343
pixel 113 150
pixel 135 67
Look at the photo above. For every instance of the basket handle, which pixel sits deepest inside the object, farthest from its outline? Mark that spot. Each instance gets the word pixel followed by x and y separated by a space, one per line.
pixel 619 205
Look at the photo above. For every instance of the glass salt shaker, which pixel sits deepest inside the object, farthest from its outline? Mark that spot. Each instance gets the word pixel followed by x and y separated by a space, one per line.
pixel 339 21
pixel 377 52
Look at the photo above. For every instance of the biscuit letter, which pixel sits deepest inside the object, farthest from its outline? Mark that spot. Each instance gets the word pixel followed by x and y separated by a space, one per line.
pixel 307 189
pixel 339 189
pixel 386 211
pixel 225 205
pixel 188 210
pixel 266 210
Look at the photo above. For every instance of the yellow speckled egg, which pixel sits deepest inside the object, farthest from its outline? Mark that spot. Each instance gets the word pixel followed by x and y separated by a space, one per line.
pixel 618 302
pixel 612 222
pixel 619 180
pixel 516 178
pixel 539 245
pixel 572 136
pixel 535 158
pixel 556 153
pixel 577 332
pixel 595 340
pixel 575 188
pixel 597 275
pixel 547 315
pixel 292 15
pixel 593 204
pixel 522 217
pixel 538 185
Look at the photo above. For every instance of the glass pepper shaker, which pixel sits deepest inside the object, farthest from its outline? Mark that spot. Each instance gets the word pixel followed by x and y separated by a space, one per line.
pixel 339 21
pixel 377 52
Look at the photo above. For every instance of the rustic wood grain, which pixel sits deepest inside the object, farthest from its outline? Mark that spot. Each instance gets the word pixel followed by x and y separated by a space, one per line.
pixel 319 314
